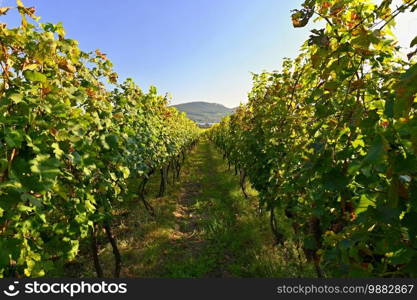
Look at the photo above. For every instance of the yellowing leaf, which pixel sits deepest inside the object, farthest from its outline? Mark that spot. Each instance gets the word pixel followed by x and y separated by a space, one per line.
pixel 31 67
pixel 58 152
pixel 357 143
pixel 4 10
pixel 19 4
pixel 67 66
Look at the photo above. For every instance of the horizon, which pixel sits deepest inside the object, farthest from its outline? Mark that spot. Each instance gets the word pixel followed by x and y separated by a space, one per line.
pixel 204 53
pixel 207 102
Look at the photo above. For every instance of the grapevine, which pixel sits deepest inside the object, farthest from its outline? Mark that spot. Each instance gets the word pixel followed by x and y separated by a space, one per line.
pixel 330 142
pixel 69 146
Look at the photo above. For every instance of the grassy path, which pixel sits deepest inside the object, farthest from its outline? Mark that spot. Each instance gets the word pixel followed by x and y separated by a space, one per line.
pixel 204 228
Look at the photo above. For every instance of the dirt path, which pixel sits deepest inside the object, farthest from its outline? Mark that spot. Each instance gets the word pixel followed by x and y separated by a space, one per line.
pixel 204 227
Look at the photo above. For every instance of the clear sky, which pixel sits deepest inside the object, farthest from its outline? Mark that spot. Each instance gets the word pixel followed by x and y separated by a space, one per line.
pixel 197 50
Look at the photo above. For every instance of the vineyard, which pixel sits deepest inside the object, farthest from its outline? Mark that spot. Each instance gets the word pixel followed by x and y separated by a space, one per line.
pixel 330 143
pixel 316 175
pixel 70 148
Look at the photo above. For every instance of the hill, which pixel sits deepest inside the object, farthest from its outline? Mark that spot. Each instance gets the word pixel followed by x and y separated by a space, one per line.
pixel 204 112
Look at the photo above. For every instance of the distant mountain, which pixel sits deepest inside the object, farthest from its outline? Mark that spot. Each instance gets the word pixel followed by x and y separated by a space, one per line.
pixel 204 112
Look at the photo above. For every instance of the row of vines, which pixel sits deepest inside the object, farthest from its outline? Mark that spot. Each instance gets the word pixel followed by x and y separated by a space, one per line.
pixel 330 142
pixel 70 146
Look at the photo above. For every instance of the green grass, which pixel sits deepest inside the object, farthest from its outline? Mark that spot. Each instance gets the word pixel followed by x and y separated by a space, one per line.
pixel 204 228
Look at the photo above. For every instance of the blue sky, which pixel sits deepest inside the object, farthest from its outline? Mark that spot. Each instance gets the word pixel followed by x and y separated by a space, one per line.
pixel 197 50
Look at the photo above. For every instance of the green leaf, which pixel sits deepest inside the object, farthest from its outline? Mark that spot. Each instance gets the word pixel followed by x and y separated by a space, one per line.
pixel 16 98
pixel 401 256
pixel 406 90
pixel 376 151
pixel 89 203
pixel 310 243
pixel 31 199
pixel 46 167
pixel 14 138
pixel 331 85
pixel 104 142
pixel 413 42
pixel 335 180
pixel 364 202
pixel 409 221
pixel 389 107
pixel 363 41
pixel 9 247
pixel 112 140
pixel 34 76
pixel 411 268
